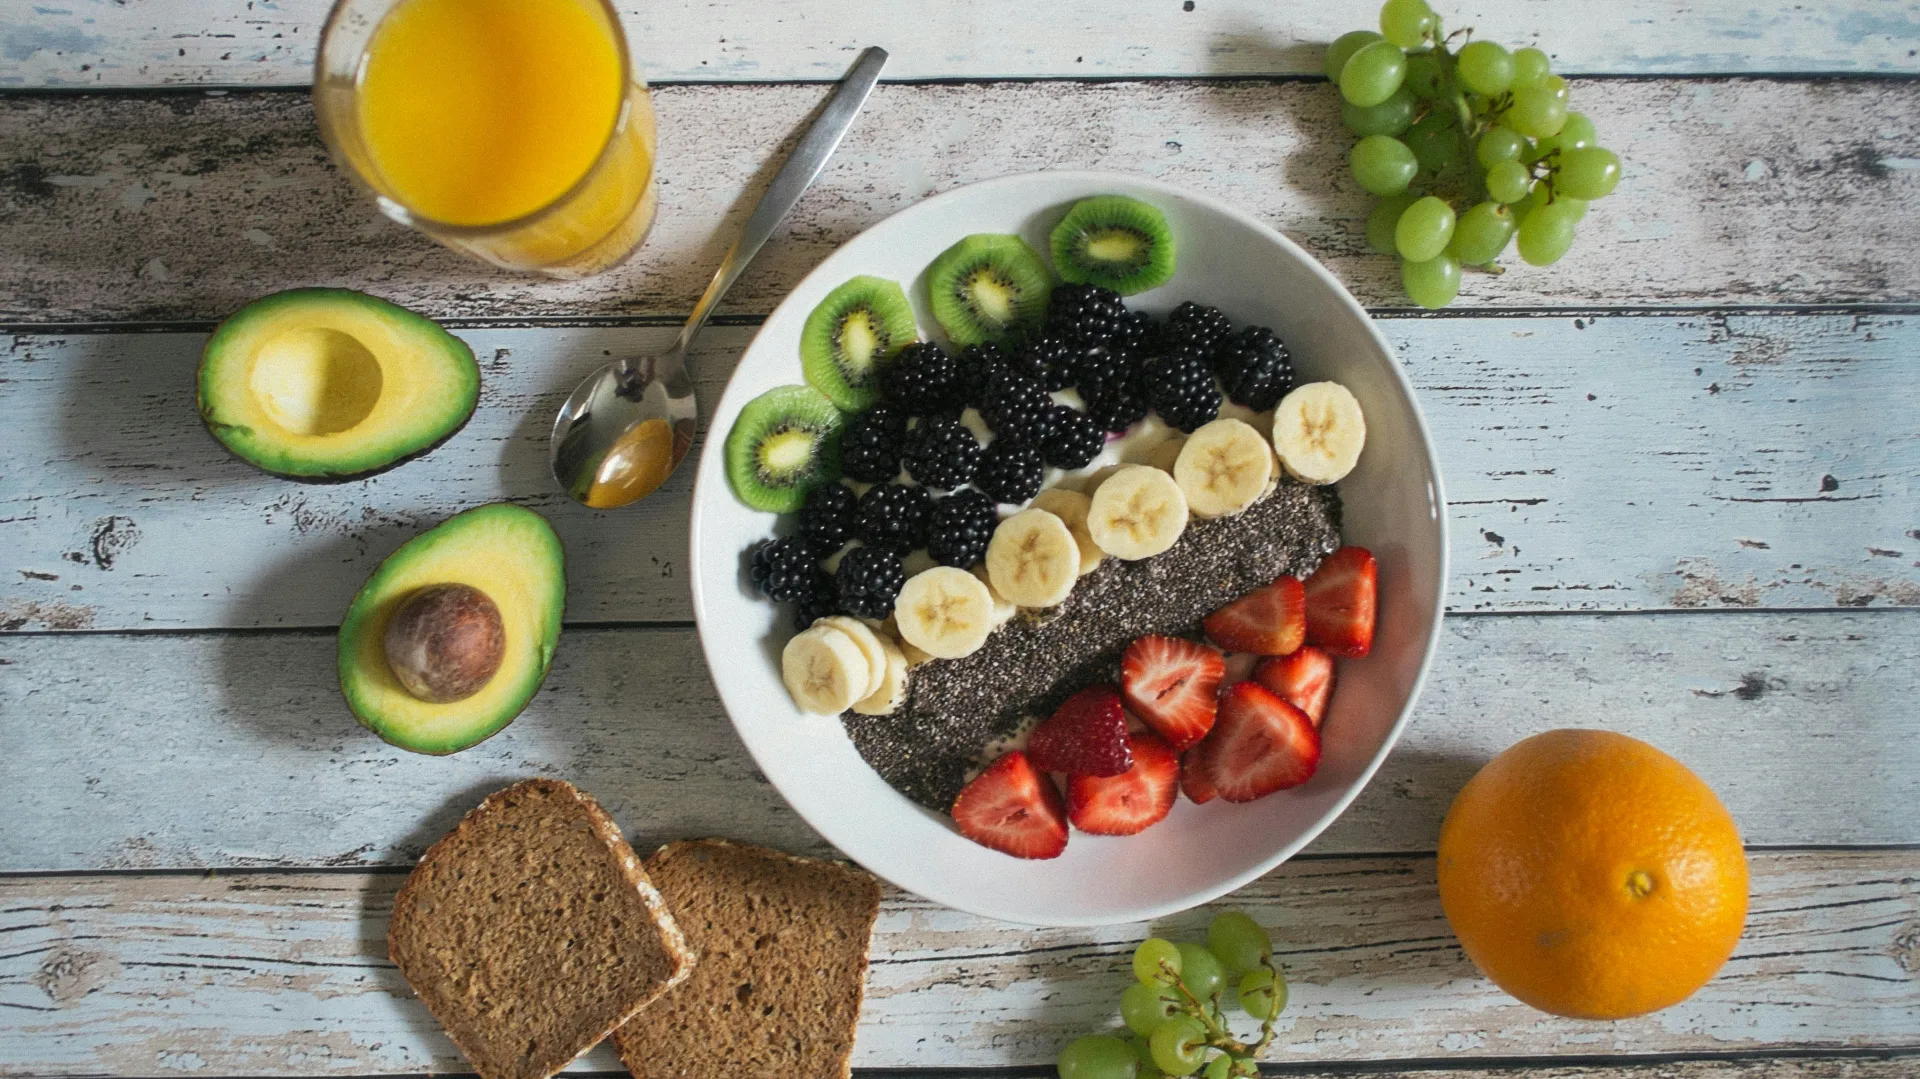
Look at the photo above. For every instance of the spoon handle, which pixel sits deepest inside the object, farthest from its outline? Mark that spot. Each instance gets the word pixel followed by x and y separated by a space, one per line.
pixel 793 179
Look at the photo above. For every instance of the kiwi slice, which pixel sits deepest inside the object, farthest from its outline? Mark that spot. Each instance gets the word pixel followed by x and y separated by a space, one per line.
pixel 785 441
pixel 1116 242
pixel 851 335
pixel 988 288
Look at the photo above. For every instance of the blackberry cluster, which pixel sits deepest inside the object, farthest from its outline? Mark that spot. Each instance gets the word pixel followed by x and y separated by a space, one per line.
pixel 1138 335
pixel 1182 390
pixel 1085 314
pixel 782 569
pixel 1118 408
pixel 1074 440
pixel 1102 368
pixel 869 580
pixel 821 599
pixel 941 453
pixel 1204 326
pixel 923 381
pixel 1017 409
pixel 978 364
pixel 870 446
pixel 1010 472
pixel 1050 360
pixel 1254 367
pixel 963 523
pixel 826 521
pixel 893 516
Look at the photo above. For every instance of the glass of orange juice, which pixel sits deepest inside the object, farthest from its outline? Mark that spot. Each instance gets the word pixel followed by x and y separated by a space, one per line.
pixel 514 130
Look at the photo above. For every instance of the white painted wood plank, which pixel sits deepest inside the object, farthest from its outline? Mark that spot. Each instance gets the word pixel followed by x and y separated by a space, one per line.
pixel 99 43
pixel 287 975
pixel 164 751
pixel 1589 466
pixel 187 206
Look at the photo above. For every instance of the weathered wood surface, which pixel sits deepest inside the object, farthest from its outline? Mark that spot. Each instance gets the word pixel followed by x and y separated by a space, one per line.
pixel 1593 464
pixel 185 206
pixel 277 974
pixel 161 751
pixel 237 42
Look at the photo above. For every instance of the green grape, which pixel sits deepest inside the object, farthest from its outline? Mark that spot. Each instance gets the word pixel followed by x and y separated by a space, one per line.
pixel 1423 231
pixel 1380 225
pixel 1530 66
pixel 1201 971
pixel 1499 144
pixel 1557 86
pixel 1344 47
pixel 1390 117
pixel 1407 23
pixel 1178 1045
pixel 1142 1049
pixel 1434 283
pixel 1485 67
pixel 1097 1056
pixel 1481 234
pixel 1219 1067
pixel 1263 994
pixel 1144 1007
pixel 1542 193
pixel 1237 940
pixel 1536 112
pixel 1434 140
pixel 1547 232
pixel 1373 74
pixel 1575 134
pixel 1382 164
pixel 1507 181
pixel 1156 961
pixel 1588 173
pixel 1425 77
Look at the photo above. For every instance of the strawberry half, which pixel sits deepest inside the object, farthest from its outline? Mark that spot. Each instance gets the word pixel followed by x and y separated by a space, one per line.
pixel 1194 782
pixel 1173 685
pixel 1013 809
pixel 1261 744
pixel 1303 679
pixel 1340 602
pixel 1085 736
pixel 1268 621
pixel 1129 803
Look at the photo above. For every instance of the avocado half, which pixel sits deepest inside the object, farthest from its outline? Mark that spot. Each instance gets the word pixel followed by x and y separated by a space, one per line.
pixel 327 384
pixel 507 552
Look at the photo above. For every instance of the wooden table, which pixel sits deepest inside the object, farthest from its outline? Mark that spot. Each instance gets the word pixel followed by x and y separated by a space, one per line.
pixel 1684 467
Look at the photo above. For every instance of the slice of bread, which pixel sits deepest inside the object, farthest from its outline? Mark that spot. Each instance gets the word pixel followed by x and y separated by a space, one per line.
pixel 783 966
pixel 530 931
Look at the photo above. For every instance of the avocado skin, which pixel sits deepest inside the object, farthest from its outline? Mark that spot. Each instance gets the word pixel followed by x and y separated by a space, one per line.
pixel 328 479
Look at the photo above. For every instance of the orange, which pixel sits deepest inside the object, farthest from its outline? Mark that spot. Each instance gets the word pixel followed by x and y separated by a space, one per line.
pixel 1592 876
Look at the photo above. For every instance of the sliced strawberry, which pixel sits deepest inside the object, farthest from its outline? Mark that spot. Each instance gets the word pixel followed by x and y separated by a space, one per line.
pixel 1173 685
pixel 1261 744
pixel 1340 602
pixel 1129 803
pixel 1268 621
pixel 1194 781
pixel 1014 809
pixel 1303 679
pixel 1086 736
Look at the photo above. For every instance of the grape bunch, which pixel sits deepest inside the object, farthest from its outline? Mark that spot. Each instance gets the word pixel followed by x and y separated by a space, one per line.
pixel 1173 1011
pixel 1468 150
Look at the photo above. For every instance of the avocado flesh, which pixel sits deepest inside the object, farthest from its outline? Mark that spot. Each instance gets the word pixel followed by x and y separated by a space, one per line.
pixel 325 384
pixel 507 552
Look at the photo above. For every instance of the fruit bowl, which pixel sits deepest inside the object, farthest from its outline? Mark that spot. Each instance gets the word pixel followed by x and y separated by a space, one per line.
pixel 1392 505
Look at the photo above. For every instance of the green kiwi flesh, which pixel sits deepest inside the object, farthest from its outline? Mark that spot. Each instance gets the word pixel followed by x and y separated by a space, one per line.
pixel 988 288
pixel 1116 242
pixel 785 441
pixel 851 336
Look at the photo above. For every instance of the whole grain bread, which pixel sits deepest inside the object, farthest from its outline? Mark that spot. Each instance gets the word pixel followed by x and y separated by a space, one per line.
pixel 531 930
pixel 783 966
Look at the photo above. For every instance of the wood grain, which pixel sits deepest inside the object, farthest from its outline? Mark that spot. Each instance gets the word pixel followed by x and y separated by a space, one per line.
pixel 185 206
pixel 158 751
pixel 232 42
pixel 275 974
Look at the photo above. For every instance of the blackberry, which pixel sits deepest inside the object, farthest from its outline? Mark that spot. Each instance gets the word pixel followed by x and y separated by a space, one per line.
pixel 1074 440
pixel 1138 335
pixel 1118 408
pixel 1010 472
pixel 942 454
pixel 1050 359
pixel 1255 368
pixel 978 364
pixel 1017 409
pixel 1203 325
pixel 826 521
pixel 1182 390
pixel 963 523
pixel 1102 368
pixel 869 580
pixel 821 599
pixel 923 381
pixel 893 516
pixel 781 569
pixel 870 446
pixel 1085 314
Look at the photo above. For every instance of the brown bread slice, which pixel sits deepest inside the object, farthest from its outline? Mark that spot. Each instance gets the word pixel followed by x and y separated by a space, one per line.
pixel 783 966
pixel 530 931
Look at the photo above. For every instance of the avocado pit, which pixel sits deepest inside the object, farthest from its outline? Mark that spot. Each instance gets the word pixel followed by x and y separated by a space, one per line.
pixel 445 642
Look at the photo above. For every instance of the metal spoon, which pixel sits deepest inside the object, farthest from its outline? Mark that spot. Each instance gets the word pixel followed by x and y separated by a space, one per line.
pixel 628 425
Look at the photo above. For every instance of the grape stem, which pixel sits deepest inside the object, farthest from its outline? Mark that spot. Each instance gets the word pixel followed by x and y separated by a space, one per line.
pixel 1218 1036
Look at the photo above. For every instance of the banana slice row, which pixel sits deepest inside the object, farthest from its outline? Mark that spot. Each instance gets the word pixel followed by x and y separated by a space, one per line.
pixel 1033 559
pixel 1137 513
pixel 1223 468
pixel 1319 430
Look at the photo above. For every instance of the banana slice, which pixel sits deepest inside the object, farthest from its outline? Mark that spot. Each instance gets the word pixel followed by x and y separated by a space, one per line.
pixel 1223 468
pixel 824 670
pixel 893 684
pixel 870 646
pixel 1071 507
pixel 1092 481
pixel 915 656
pixel 1003 608
pixel 1137 513
pixel 1033 559
pixel 1166 453
pixel 945 612
pixel 1319 431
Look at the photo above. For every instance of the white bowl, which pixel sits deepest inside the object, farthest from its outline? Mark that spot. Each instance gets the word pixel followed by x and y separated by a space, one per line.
pixel 1393 506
